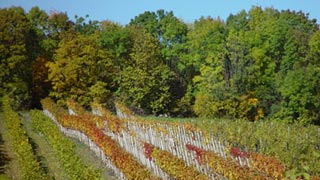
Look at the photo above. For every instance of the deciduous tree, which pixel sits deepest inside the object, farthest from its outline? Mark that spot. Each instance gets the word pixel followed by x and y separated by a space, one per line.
pixel 81 70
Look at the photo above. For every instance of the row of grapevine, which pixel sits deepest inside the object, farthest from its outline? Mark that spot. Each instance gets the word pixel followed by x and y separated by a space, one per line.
pixel 191 146
pixel 74 108
pixel 124 161
pixel 173 142
pixel 205 152
pixel 135 145
pixel 114 126
pixel 172 149
pixel 63 147
pixel 86 140
pixel 29 166
pixel 181 157
pixel 174 136
pixel 173 165
pixel 298 147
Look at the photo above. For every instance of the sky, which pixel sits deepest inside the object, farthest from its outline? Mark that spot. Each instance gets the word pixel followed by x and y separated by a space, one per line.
pixel 122 11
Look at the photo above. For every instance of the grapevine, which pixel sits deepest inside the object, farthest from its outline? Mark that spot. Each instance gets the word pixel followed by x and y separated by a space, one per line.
pixel 28 164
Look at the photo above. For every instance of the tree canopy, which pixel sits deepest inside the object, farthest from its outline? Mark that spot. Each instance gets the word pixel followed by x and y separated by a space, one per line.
pixel 261 63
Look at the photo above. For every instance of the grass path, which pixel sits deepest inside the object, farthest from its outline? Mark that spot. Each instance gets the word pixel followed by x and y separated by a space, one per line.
pixel 89 158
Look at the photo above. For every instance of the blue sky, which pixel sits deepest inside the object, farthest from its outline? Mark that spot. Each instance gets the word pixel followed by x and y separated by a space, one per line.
pixel 123 10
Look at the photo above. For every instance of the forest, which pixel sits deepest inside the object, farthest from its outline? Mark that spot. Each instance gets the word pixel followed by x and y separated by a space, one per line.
pixel 258 64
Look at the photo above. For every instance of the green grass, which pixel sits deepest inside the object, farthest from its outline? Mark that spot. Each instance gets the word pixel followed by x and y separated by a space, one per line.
pixel 3 177
pixel 170 119
pixel 90 159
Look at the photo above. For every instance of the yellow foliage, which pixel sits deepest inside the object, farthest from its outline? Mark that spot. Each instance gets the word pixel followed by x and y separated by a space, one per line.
pixel 249 108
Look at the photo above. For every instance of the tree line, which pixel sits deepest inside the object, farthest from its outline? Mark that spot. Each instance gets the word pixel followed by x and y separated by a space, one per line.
pixel 261 63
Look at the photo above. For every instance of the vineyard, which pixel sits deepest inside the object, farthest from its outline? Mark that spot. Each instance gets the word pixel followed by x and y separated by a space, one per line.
pixel 151 149
pixel 136 148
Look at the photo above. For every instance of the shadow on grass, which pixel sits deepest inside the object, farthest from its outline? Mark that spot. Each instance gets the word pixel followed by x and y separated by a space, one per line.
pixel 40 158
pixel 4 158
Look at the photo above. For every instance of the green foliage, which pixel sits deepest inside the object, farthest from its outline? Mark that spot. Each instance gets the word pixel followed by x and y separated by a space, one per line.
pixel 299 90
pixel 117 40
pixel 314 43
pixel 15 63
pixel 86 27
pixel 265 53
pixel 29 167
pixel 170 32
pixel 145 81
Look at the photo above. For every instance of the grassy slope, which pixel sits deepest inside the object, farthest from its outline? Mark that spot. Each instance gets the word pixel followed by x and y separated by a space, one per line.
pixel 89 158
